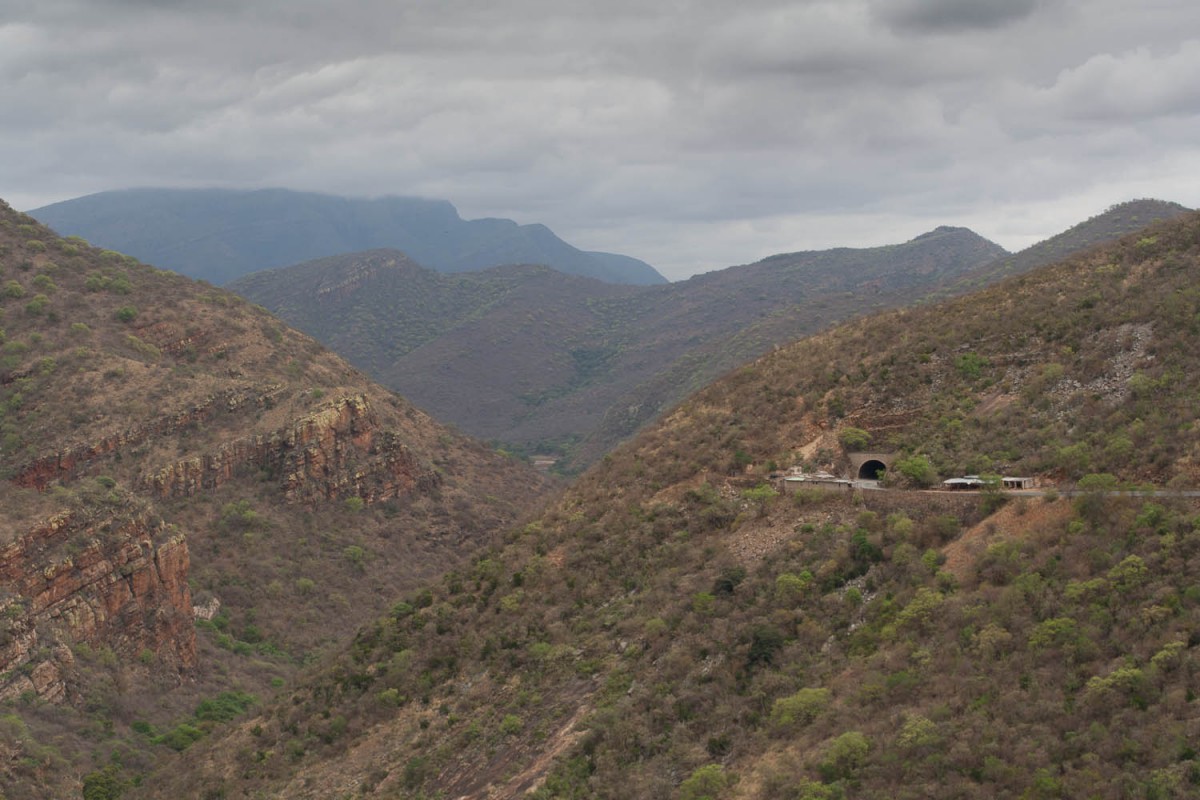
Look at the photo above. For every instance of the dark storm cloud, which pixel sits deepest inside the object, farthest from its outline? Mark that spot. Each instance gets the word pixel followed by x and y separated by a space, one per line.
pixel 952 15
pixel 692 133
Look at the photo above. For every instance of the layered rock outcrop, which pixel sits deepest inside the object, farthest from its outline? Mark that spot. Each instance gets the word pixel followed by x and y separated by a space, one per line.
pixel 335 452
pixel 102 579
pixel 69 462
pixel 340 450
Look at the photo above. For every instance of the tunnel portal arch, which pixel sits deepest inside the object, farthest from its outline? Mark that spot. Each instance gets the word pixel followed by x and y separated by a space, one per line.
pixel 870 466
pixel 872 470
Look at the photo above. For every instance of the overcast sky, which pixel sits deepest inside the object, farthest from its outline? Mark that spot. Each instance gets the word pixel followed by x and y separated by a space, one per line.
pixel 694 134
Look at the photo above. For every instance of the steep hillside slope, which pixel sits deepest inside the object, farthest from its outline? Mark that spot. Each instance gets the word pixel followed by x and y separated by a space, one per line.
pixel 541 360
pixel 165 445
pixel 1108 226
pixel 219 235
pixel 379 306
pixel 676 628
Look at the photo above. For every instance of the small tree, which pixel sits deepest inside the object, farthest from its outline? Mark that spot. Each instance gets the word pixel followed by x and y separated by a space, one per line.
pixel 970 365
pixel 760 497
pixel 799 708
pixel 916 470
pixel 1092 505
pixel 845 755
pixel 992 494
pixel 854 438
pixel 706 783
pixel 104 784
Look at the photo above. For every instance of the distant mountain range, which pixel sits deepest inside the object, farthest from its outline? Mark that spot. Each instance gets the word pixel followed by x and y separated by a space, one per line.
pixel 547 361
pixel 219 235
pixel 551 362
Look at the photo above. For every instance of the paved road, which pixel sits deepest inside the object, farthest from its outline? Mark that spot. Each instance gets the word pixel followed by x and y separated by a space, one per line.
pixel 873 486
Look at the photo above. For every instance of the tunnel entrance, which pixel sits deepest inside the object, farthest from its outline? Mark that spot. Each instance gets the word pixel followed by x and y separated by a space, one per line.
pixel 871 470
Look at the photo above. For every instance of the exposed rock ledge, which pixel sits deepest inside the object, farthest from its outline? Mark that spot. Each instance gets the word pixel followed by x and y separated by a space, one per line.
pixel 97 579
pixel 338 451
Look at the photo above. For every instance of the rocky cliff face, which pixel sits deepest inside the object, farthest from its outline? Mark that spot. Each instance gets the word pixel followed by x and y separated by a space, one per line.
pixel 116 580
pixel 106 577
pixel 68 462
pixel 338 451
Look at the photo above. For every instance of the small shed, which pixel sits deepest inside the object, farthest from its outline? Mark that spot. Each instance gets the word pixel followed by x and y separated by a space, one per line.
pixel 1017 483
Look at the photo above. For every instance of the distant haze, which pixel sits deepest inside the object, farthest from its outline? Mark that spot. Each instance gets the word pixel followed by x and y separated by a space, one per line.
pixel 692 135
pixel 220 235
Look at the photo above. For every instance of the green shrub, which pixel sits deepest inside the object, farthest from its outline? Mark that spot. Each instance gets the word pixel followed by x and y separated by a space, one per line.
pixel 800 708
pixel 920 610
pixel 854 438
pixel 707 783
pixel 765 642
pixel 1054 632
pixel 789 587
pixel 918 732
pixel 37 305
pixel 180 737
pixel 104 784
pixel 355 555
pixel 760 496
pixel 704 603
pixel 845 755
pixel 970 365
pixel 917 470
pixel 224 706
pixel 415 772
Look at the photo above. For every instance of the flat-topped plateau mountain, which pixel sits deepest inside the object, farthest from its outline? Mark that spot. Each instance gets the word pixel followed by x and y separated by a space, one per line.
pixel 219 235
pixel 195 501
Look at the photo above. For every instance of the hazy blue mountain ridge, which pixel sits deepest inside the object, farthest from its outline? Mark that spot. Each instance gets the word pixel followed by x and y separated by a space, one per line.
pixel 219 235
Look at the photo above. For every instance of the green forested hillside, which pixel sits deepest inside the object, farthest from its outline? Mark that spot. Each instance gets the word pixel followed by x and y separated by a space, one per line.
pixel 676 628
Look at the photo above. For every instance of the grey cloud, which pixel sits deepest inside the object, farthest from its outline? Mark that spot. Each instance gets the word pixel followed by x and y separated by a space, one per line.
pixel 696 132
pixel 1130 86
pixel 952 15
